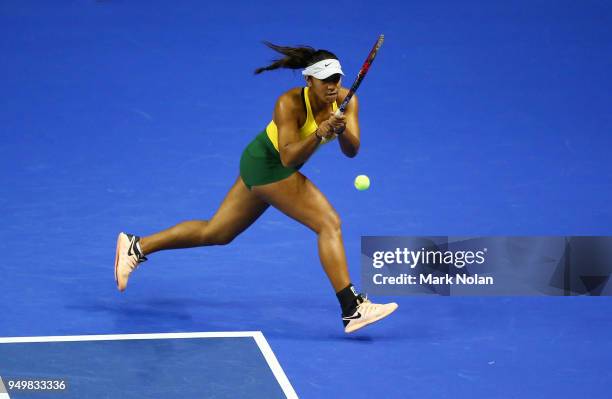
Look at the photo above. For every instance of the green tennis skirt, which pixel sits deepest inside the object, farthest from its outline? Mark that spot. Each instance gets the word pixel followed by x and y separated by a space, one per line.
pixel 260 163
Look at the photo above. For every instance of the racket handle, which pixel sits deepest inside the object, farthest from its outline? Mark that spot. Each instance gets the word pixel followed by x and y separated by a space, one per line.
pixel 339 113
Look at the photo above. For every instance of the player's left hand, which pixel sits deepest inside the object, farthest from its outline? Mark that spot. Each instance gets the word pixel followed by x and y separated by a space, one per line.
pixel 338 122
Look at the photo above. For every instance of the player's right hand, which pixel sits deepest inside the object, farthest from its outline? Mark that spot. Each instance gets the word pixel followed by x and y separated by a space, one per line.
pixel 325 129
pixel 338 121
pixel 335 123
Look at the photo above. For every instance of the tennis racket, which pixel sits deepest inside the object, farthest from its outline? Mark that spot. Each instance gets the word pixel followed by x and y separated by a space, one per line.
pixel 362 73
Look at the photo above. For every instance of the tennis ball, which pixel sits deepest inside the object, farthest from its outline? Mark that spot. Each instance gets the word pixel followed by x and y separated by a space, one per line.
pixel 362 182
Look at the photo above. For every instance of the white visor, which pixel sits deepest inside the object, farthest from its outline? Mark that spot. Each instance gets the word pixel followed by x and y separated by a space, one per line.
pixel 323 69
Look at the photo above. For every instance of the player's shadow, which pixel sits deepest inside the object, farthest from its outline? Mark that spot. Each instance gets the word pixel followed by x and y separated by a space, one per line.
pixel 133 310
pixel 284 319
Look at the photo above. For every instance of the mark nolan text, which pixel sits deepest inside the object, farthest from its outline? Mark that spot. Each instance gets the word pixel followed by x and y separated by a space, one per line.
pixel 430 279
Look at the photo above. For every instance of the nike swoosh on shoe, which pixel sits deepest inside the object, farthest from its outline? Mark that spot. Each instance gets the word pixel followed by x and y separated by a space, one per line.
pixel 353 317
pixel 131 247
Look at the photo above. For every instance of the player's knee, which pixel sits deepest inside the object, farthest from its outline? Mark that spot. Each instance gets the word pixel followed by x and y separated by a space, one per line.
pixel 217 237
pixel 330 222
pixel 224 239
pixel 212 236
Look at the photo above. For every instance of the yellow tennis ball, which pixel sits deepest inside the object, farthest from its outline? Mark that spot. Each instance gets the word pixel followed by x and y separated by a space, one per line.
pixel 362 182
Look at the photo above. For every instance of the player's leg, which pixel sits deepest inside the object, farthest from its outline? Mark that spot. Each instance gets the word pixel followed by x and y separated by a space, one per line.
pixel 297 197
pixel 239 210
pixel 300 199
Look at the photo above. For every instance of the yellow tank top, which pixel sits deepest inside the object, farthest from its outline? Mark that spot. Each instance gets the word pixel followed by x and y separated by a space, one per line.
pixel 309 127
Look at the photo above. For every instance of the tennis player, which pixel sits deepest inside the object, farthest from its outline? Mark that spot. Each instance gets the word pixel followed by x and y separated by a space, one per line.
pixel 304 119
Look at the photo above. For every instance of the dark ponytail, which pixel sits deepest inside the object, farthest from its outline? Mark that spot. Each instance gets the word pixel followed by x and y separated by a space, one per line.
pixel 295 57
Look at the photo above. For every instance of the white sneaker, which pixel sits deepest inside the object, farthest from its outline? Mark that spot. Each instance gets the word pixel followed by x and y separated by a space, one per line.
pixel 367 313
pixel 127 259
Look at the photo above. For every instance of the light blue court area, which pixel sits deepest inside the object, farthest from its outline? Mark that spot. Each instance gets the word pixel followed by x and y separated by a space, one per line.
pixel 185 365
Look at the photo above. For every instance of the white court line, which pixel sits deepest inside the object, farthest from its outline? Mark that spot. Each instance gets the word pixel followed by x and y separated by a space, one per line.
pixel 275 366
pixel 3 393
pixel 116 337
pixel 258 336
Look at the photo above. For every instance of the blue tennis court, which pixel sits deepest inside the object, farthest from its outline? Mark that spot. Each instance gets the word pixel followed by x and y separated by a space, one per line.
pixel 477 118
pixel 193 365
